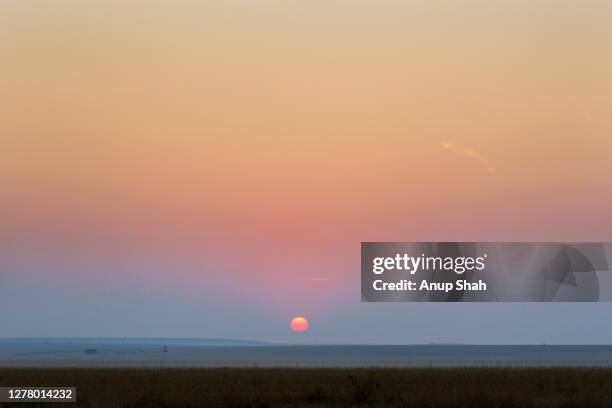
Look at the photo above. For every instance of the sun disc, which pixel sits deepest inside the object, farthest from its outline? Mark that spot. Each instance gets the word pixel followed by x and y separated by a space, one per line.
pixel 299 324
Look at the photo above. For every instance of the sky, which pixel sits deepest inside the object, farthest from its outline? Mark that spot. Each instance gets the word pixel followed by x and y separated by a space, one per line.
pixel 209 168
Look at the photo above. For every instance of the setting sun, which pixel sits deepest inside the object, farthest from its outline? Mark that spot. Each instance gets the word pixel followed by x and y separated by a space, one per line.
pixel 299 324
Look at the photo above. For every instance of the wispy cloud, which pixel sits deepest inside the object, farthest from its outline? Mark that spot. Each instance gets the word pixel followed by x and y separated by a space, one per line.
pixel 468 152
pixel 317 279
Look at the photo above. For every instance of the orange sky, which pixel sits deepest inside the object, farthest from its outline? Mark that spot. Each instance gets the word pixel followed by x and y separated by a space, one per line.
pixel 303 128
pixel 263 106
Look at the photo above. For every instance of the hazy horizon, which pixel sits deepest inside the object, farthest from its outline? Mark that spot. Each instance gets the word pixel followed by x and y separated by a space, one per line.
pixel 250 342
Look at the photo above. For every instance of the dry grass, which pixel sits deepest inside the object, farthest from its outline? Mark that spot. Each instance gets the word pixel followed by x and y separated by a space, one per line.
pixel 286 387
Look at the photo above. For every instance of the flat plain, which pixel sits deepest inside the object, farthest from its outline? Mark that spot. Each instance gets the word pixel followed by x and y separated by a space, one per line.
pixel 323 387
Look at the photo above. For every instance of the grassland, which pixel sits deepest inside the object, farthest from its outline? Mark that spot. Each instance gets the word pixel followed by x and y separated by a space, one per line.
pixel 286 387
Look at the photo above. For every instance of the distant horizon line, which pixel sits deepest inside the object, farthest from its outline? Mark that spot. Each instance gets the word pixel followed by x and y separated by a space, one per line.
pixel 250 342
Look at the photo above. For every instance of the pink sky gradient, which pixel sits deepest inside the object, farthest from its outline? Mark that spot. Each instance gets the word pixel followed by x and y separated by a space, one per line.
pixel 230 157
